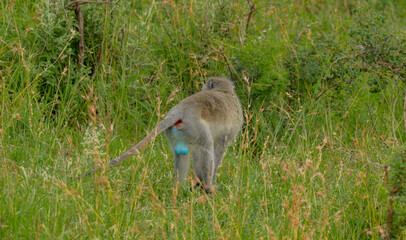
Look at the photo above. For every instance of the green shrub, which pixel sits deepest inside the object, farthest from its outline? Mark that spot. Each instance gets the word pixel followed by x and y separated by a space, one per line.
pixel 260 60
pixel 373 50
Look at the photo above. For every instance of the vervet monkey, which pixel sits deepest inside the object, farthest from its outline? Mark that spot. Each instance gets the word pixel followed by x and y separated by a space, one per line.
pixel 202 125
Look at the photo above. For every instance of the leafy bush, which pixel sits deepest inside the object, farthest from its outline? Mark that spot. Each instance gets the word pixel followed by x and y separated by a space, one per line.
pixel 55 44
pixel 260 60
pixel 377 48
pixel 374 52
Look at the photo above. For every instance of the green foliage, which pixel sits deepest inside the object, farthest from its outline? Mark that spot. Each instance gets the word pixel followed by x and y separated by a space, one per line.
pixel 259 59
pixel 373 47
pixel 378 48
pixel 54 47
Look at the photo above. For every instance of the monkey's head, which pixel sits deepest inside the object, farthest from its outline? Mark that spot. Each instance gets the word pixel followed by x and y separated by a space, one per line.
pixel 218 83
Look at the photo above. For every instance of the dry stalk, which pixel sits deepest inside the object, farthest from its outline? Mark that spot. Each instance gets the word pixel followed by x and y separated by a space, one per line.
pixel 393 121
pixel 373 125
pixel 404 110
pixel 321 94
pixel 81 2
pixel 252 9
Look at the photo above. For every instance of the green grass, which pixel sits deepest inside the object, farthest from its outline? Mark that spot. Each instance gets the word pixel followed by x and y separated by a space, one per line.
pixel 302 168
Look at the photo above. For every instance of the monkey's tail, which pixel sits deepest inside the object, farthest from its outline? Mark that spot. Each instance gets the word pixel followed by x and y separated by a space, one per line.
pixel 169 121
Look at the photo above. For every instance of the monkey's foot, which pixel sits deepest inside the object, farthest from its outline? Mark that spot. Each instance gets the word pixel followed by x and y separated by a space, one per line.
pixel 208 189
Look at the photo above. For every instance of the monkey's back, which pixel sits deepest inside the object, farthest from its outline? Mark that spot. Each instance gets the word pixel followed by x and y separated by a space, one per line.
pixel 215 107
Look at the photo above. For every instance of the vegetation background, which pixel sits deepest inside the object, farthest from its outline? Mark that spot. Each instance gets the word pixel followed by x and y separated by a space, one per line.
pixel 320 156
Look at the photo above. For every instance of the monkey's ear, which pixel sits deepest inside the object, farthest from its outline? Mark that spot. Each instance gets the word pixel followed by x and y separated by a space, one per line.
pixel 210 84
pixel 232 83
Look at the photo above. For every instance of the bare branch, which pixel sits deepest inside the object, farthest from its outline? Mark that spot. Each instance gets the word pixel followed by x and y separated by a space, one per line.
pixel 321 94
pixel 404 110
pixel 393 121
pixel 344 57
pixel 252 9
pixel 81 2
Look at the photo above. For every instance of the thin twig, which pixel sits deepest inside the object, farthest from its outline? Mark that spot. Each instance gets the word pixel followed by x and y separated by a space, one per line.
pixel 344 57
pixel 81 2
pixel 321 94
pixel 1 222
pixel 404 111
pixel 378 164
pixel 373 125
pixel 391 67
pixel 252 8
pixel 393 121
pixel 225 58
pixel 70 218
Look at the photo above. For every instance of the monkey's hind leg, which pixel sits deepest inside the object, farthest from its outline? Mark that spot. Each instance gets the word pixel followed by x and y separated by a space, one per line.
pixel 182 165
pixel 219 152
pixel 180 153
pixel 203 165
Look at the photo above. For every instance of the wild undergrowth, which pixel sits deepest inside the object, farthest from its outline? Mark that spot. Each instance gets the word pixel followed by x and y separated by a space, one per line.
pixel 320 156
